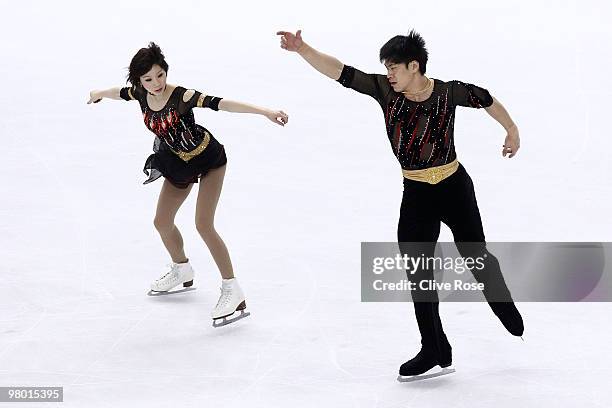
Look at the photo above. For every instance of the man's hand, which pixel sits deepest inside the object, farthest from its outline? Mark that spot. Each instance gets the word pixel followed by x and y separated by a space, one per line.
pixel 512 142
pixel 291 42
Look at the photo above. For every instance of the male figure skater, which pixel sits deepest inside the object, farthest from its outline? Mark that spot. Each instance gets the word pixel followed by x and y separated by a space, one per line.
pixel 419 116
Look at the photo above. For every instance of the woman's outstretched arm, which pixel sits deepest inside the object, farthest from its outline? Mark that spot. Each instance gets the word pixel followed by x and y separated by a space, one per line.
pixel 97 95
pixel 277 116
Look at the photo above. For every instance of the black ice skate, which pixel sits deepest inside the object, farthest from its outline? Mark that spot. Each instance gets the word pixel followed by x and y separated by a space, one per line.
pixel 420 366
pixel 510 317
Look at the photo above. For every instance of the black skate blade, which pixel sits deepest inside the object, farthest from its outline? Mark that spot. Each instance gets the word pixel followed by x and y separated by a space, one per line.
pixel 224 321
pixel 412 378
pixel 170 292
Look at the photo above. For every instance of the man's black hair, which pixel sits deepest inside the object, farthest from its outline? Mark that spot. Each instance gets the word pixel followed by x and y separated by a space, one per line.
pixel 405 49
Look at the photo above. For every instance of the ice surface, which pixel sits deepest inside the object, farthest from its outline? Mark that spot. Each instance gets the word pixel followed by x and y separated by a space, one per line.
pixel 79 250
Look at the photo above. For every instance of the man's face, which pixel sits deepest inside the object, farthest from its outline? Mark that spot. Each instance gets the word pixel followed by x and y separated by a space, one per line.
pixel 401 75
pixel 154 81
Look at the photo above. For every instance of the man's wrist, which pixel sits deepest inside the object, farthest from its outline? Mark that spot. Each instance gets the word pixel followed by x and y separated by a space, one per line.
pixel 304 49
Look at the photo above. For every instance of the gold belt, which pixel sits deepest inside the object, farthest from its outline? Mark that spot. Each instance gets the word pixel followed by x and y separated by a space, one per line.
pixel 186 156
pixel 432 175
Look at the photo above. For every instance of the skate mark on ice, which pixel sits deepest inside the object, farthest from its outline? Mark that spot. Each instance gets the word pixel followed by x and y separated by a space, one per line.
pixel 307 305
pixel 556 390
pixel 22 335
pixel 78 222
pixel 122 336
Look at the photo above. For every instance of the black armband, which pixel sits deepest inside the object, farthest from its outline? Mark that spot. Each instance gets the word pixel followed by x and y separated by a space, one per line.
pixel 212 102
pixel 125 93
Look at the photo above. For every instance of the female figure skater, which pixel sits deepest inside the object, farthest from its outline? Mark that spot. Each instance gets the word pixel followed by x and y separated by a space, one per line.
pixel 419 115
pixel 183 153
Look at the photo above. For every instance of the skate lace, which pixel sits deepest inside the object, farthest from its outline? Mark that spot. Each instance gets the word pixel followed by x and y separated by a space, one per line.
pixel 170 274
pixel 226 294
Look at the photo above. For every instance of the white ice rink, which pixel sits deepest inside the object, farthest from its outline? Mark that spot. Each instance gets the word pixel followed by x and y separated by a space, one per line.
pixel 78 249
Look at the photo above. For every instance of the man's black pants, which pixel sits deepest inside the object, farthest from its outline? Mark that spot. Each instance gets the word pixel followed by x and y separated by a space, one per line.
pixel 453 202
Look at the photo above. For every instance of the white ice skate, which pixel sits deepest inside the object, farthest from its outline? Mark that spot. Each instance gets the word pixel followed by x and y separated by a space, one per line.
pixel 180 273
pixel 230 302
pixel 434 372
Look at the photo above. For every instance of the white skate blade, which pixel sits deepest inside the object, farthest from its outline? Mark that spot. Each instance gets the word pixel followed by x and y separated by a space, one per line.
pixel 170 292
pixel 224 321
pixel 412 378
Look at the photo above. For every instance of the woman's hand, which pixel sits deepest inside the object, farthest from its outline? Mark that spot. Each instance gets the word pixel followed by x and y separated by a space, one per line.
pixel 95 97
pixel 279 117
pixel 291 42
pixel 512 142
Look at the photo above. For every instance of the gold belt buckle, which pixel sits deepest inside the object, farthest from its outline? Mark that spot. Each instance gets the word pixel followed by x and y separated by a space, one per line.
pixel 434 176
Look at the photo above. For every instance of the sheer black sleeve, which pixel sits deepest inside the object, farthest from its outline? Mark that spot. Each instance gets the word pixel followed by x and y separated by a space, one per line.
pixel 132 93
pixel 198 100
pixel 377 86
pixel 470 95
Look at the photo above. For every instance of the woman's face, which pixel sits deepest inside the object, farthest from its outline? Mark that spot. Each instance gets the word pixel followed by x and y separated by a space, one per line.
pixel 154 81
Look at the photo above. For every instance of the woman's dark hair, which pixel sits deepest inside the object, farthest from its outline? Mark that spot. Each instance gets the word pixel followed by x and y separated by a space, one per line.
pixel 144 60
pixel 405 49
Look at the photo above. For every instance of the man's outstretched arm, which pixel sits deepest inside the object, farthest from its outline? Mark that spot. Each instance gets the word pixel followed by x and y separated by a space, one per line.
pixel 325 64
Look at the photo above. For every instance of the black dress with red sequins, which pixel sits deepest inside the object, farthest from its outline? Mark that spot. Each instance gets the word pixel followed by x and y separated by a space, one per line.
pixel 183 150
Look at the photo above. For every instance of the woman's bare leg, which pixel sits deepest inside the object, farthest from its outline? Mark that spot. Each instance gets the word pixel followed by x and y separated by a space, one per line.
pixel 208 197
pixel 170 200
